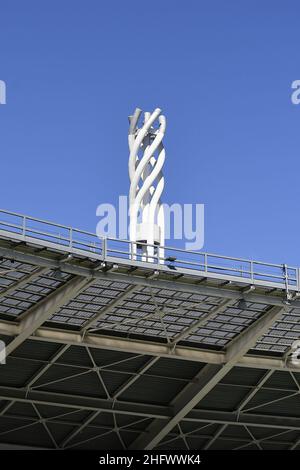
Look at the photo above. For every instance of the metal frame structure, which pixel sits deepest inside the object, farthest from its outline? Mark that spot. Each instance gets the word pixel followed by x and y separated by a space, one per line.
pixel 105 350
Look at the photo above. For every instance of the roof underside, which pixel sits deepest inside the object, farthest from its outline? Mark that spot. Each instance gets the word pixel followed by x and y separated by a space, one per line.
pixel 118 356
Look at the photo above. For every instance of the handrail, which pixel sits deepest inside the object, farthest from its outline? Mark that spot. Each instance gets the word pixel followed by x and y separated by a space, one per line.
pixel 176 258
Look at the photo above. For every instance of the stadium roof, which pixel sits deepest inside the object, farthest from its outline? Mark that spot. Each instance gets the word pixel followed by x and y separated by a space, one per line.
pixel 109 351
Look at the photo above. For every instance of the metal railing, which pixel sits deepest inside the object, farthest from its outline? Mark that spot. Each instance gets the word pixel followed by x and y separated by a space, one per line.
pixel 81 241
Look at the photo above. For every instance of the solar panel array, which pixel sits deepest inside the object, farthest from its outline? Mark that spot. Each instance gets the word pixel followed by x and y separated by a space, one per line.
pixel 67 384
pixel 150 312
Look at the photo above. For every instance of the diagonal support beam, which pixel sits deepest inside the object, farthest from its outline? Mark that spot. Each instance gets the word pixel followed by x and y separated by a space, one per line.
pixel 209 376
pixel 216 436
pixel 22 282
pixel 92 416
pixel 253 392
pixel 43 310
pixel 133 379
pixel 108 308
pixel 121 390
pixel 44 369
pixel 214 311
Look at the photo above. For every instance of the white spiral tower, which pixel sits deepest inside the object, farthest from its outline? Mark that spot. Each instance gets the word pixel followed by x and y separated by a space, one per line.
pixel 146 159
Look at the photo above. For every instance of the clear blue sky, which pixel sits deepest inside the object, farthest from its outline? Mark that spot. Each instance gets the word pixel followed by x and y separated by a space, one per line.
pixel 222 73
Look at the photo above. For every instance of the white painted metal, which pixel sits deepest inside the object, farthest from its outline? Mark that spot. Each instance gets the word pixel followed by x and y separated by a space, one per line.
pixel 146 159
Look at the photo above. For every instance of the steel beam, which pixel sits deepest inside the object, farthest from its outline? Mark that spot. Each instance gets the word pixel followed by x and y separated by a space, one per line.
pixel 44 369
pixel 295 445
pixel 118 392
pixel 22 282
pixel 206 380
pixel 262 420
pixel 43 310
pixel 216 436
pixel 64 250
pixel 143 281
pixel 198 323
pixel 81 402
pixel 144 347
pixel 254 391
pixel 114 303
pixel 146 410
pixel 20 447
pixel 133 379
pixel 77 431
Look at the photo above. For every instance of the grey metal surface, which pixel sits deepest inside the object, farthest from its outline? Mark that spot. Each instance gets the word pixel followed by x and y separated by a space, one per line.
pixel 104 350
pixel 205 381
pixel 71 399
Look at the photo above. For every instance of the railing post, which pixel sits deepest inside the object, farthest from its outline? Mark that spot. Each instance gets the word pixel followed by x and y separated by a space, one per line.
pixel 24 226
pixel 298 278
pixel 131 250
pixel 286 278
pixel 71 237
pixel 104 248
pixel 251 272
pixel 205 263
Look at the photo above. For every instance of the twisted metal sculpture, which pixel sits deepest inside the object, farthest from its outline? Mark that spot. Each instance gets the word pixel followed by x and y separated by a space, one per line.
pixel 147 156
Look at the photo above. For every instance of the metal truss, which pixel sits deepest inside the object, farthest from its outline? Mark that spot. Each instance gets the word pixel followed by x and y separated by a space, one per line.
pixel 132 278
pixel 100 326
pixel 22 282
pixel 248 422
pixel 145 347
pixel 206 380
pixel 37 315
